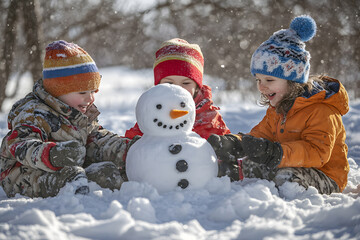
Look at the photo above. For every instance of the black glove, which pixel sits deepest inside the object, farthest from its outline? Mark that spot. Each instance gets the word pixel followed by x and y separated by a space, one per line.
pixel 262 151
pixel 227 147
pixel 70 153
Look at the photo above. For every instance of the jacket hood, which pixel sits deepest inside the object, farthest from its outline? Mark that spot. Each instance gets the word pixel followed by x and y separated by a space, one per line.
pixel 203 100
pixel 333 93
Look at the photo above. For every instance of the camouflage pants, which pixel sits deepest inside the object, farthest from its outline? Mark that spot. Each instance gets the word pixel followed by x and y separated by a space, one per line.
pixel 303 176
pixel 37 183
pixel 105 174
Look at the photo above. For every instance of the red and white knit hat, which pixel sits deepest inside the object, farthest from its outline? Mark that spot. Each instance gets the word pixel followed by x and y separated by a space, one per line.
pixel 178 57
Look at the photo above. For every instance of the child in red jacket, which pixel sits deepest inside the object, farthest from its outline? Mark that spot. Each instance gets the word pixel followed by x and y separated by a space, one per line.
pixel 181 63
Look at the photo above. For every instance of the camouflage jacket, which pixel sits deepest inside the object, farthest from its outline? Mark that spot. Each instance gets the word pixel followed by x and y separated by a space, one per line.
pixel 38 121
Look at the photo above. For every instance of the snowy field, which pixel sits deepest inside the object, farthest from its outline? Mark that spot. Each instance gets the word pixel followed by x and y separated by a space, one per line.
pixel 250 209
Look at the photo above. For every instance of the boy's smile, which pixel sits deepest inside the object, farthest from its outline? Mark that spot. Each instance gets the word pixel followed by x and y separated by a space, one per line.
pixel 79 100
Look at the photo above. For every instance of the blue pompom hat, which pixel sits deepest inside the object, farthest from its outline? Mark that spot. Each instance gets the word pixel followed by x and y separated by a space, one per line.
pixel 283 55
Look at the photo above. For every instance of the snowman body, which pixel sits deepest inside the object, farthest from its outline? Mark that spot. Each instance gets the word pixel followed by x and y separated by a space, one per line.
pixel 169 155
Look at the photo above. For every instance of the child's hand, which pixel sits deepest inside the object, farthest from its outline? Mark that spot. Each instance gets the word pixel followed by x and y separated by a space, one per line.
pixel 70 153
pixel 262 151
pixel 227 148
pixel 132 141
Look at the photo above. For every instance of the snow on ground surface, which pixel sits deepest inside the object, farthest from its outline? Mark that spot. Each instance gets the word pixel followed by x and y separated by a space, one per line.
pixel 250 209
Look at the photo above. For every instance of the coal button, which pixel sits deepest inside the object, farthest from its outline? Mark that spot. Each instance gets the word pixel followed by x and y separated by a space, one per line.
pixel 183 183
pixel 181 165
pixel 175 148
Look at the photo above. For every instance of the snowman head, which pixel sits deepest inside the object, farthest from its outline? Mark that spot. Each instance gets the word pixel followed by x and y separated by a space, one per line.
pixel 165 110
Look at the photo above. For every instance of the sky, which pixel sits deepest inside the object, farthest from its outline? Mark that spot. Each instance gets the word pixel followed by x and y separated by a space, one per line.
pixel 248 209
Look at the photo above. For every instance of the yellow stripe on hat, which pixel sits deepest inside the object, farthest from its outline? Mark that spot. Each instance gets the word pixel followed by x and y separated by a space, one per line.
pixel 186 58
pixel 67 61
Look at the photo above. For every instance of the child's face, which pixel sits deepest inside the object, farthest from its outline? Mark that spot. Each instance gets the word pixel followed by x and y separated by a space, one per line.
pixel 184 82
pixel 79 100
pixel 273 88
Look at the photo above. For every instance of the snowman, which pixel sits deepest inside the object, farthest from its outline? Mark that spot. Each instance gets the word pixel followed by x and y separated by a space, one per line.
pixel 169 155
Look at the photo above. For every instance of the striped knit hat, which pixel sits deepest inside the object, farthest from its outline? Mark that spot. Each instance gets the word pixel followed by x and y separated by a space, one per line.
pixel 178 57
pixel 68 68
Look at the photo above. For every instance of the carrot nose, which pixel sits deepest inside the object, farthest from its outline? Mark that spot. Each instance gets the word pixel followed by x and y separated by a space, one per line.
pixel 177 113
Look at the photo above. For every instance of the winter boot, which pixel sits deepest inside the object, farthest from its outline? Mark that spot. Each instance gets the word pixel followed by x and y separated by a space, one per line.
pixel 80 184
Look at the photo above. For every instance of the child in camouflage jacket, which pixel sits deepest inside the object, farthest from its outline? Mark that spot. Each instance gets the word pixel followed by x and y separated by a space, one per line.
pixel 54 135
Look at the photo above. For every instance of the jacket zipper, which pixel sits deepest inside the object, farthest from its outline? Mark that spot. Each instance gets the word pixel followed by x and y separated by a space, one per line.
pixel 283 120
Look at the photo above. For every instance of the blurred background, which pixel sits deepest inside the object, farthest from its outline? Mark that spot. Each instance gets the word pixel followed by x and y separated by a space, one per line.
pixel 128 33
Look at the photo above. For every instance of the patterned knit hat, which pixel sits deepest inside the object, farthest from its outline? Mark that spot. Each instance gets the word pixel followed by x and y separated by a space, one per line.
pixel 283 55
pixel 68 68
pixel 178 57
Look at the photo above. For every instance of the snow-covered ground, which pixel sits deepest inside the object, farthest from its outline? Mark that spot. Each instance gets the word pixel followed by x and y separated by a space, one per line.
pixel 251 209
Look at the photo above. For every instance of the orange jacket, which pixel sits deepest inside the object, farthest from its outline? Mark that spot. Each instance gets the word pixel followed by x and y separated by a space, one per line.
pixel 312 133
pixel 207 121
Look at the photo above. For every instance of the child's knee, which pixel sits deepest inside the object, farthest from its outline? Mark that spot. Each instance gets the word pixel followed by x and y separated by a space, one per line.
pixel 51 183
pixel 306 177
pixel 285 175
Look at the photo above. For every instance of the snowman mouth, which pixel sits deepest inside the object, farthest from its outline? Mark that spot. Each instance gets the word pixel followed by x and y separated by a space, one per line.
pixel 162 125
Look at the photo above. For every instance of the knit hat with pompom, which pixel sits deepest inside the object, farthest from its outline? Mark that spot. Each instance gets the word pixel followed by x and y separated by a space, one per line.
pixel 283 55
pixel 68 68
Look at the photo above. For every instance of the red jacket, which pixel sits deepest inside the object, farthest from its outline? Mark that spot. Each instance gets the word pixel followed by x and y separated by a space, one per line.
pixel 208 120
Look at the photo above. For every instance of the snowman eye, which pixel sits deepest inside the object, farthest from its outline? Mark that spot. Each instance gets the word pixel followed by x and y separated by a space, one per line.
pixel 158 106
pixel 182 104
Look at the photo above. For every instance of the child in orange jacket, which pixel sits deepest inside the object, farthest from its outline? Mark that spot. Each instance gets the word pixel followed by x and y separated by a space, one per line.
pixel 302 137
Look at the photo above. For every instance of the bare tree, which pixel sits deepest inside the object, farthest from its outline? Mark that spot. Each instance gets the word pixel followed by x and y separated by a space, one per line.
pixel 8 48
pixel 228 32
pixel 30 14
pixel 33 36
